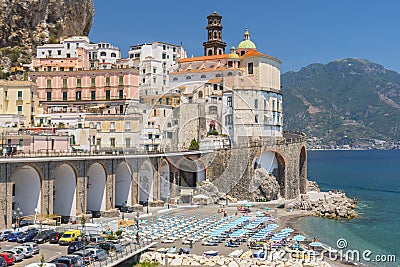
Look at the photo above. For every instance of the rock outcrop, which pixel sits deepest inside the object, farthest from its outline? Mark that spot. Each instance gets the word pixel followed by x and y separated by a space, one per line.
pixel 26 24
pixel 325 204
pixel 264 185
pixel 208 193
pixel 312 186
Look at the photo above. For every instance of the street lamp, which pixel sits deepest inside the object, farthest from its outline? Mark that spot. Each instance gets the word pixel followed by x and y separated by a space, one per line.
pixel 18 214
pixel 36 212
pixel 137 227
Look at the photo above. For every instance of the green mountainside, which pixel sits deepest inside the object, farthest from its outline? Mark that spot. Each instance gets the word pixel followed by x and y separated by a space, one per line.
pixel 351 102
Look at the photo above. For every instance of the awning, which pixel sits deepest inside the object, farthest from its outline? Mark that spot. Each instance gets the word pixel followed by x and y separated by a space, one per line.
pixel 215 80
pixel 77 148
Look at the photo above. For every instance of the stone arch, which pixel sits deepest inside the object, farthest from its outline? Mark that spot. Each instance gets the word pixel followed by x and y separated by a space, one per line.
pixel 64 190
pixel 123 185
pixel 165 180
pixel 27 190
pixel 274 163
pixel 96 187
pixel 303 170
pixel 146 182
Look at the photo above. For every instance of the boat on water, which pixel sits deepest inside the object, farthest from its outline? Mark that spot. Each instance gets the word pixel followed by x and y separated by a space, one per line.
pixel 259 254
pixel 211 253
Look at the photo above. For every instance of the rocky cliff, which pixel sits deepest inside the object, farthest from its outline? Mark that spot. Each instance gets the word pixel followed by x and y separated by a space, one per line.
pixel 24 24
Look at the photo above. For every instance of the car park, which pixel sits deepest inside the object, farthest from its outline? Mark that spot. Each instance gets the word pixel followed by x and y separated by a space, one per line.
pixel 35 248
pixel 86 255
pixel 98 253
pixel 43 236
pixel 4 234
pixel 97 238
pixel 18 254
pixel 12 237
pixel 77 257
pixel 74 246
pixel 27 251
pixel 8 257
pixel 3 262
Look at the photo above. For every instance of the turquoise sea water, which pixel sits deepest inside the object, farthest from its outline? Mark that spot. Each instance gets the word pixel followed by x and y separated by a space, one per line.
pixel 374 178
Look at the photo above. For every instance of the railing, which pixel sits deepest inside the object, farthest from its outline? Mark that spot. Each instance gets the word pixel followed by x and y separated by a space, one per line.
pixel 127 252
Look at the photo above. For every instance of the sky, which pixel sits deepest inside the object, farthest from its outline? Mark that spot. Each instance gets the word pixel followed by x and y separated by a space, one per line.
pixel 298 32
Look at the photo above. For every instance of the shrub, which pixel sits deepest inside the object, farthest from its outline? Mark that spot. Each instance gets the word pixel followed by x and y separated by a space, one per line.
pixel 194 145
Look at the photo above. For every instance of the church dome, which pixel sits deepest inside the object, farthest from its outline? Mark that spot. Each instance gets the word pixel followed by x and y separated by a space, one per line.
pixel 233 54
pixel 247 43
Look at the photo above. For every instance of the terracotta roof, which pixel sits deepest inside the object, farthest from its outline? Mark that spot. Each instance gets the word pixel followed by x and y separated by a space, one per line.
pixel 255 53
pixel 203 58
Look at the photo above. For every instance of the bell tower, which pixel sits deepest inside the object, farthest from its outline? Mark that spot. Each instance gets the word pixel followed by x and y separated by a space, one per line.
pixel 214 45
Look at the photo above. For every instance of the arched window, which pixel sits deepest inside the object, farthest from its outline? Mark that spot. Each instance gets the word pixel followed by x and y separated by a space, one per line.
pixel 212 110
pixel 210 52
pixel 201 94
pixel 203 76
pixel 188 77
pixel 218 75
pixel 103 54
pixel 175 79
pixel 113 55
pixel 229 73
pixel 215 34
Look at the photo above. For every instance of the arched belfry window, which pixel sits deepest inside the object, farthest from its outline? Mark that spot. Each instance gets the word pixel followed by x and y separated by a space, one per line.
pixel 200 94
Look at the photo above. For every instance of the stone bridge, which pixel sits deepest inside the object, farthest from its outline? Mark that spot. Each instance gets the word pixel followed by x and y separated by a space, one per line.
pixel 70 186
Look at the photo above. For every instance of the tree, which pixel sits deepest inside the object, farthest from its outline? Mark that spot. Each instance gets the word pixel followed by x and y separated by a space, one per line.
pixel 194 145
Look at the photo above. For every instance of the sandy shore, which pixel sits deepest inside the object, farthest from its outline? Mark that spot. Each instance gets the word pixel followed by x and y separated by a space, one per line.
pixel 282 217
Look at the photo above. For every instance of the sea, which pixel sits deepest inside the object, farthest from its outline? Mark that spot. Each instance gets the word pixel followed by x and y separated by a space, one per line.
pixel 372 176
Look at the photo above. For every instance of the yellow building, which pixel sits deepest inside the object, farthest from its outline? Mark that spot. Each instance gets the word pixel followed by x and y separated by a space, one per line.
pixel 18 103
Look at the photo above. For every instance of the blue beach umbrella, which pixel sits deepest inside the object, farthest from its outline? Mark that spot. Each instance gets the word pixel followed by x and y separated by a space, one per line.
pixel 299 238
pixel 315 244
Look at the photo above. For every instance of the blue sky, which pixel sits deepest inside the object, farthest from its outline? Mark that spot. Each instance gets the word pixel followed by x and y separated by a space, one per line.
pixel 297 32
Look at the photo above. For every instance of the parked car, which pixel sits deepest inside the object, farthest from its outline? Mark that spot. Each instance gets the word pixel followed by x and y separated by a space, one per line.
pixel 3 262
pixel 69 236
pixel 127 209
pixel 41 265
pixel 70 262
pixel 12 237
pixel 74 246
pixel 96 214
pixel 43 236
pixel 54 237
pixel 27 251
pixel 108 246
pixel 77 257
pixel 97 238
pixel 98 253
pixel 4 234
pixel 8 257
pixel 27 236
pixel 86 255
pixel 35 248
pixel 18 254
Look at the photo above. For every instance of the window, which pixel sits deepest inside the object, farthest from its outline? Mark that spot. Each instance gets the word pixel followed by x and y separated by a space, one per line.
pixel 256 118
pixel 48 83
pixel 98 125
pixel 19 95
pixel 154 79
pixel 121 94
pixel 154 70
pixel 154 112
pixel 93 82
pixel 78 95
pixel 127 142
pixel 273 104
pixel 188 78
pixel 127 125
pixel 255 103
pixel 221 87
pixel 167 101
pixel 203 76
pixel 59 52
pixel 62 69
pixel 71 69
pixel 164 56
pixel 113 55
pixel 68 46
pixel 218 75
pixel 48 96
pixel 108 94
pixel 212 110
pixel 250 68
pixel 64 83
pixel 175 79
pixel 163 47
pixel 160 101
pixel 108 81
pixel 144 80
pixel 169 135
pixel 215 86
pixel 230 64
pixel 21 142
pixel 228 120
pixel 65 96
pixel 229 101
pixel 112 142
pixel 200 94
pixel 68 55
pixel 103 54
pixel 93 95
pixel 121 109
pixel 121 80
pixel 19 110
pixel 112 125
pixel 79 82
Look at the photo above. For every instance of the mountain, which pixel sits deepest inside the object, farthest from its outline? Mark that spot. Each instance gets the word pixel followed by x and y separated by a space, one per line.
pixel 350 101
pixel 24 24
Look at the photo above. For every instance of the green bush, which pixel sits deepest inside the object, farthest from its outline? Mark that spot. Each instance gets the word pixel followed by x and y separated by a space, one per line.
pixel 194 145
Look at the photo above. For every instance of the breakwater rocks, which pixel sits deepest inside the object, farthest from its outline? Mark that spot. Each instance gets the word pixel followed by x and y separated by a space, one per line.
pixel 195 260
pixel 325 204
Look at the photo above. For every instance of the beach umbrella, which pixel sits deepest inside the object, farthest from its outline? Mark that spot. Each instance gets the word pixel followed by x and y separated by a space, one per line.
pixel 287 230
pixel 315 244
pixel 248 205
pixel 299 238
